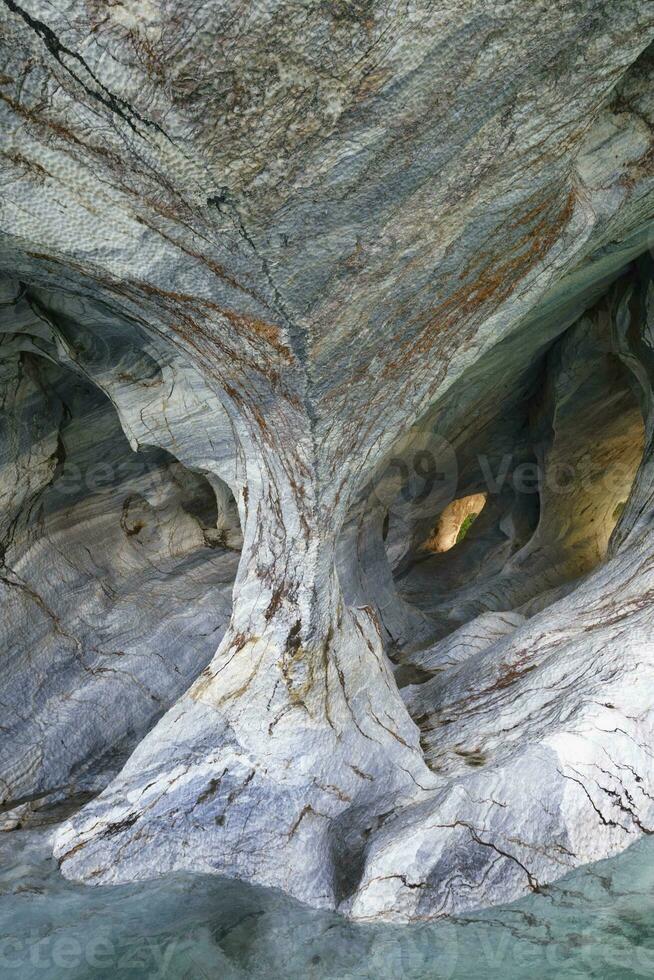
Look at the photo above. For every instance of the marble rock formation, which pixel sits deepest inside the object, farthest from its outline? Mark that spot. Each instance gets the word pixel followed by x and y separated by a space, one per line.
pixel 280 283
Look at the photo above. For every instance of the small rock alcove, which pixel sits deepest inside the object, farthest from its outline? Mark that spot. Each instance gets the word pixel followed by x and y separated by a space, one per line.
pixel 117 560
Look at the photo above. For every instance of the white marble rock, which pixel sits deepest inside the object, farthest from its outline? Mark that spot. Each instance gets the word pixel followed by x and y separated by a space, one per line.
pixel 280 281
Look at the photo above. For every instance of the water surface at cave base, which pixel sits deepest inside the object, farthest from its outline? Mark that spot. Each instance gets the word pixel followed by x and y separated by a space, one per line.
pixel 597 922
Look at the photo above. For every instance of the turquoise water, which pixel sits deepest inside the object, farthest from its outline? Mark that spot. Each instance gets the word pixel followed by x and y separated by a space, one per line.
pixel 598 922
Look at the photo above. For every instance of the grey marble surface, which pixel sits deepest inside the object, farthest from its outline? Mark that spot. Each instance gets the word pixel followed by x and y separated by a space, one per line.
pixel 264 264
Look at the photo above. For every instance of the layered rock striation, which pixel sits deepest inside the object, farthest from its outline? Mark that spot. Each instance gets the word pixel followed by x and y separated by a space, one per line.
pixel 280 283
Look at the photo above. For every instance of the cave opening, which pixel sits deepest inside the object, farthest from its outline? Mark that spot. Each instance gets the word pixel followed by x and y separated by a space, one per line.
pixel 117 559
pixel 454 522
pixel 528 508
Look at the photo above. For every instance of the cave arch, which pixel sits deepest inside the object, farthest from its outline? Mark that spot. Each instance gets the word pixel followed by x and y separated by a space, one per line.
pixel 117 560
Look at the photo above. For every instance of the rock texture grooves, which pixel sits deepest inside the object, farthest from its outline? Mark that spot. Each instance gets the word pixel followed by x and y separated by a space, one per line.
pixel 299 275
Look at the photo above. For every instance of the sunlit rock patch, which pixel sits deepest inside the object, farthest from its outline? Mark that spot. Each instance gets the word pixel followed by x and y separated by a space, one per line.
pixel 454 522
